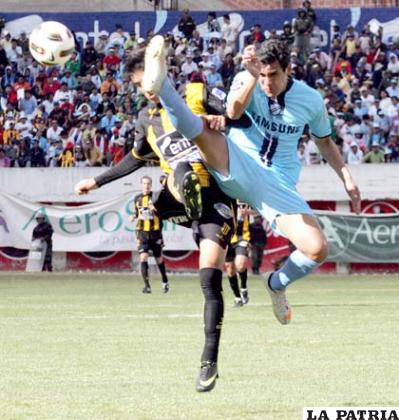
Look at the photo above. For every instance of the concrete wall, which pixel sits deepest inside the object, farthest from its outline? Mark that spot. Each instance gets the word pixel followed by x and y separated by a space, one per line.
pixel 317 183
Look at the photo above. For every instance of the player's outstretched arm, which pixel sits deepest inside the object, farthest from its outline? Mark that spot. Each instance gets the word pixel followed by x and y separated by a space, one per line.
pixel 125 167
pixel 331 154
pixel 243 84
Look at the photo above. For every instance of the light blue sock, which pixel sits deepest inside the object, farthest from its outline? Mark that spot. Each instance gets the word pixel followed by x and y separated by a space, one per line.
pixel 180 115
pixel 296 266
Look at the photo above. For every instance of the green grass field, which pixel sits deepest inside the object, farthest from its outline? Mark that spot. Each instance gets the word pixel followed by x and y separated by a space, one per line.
pixel 92 346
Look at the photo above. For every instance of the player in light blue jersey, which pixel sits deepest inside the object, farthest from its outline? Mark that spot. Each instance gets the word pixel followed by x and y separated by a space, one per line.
pixel 257 162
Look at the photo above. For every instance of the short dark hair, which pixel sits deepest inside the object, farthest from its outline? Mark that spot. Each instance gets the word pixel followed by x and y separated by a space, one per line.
pixel 274 50
pixel 135 61
pixel 145 177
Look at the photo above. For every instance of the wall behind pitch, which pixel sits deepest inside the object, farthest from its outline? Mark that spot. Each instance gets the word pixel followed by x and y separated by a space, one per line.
pixel 89 25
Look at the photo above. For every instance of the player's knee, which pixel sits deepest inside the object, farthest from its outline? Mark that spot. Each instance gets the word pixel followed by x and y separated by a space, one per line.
pixel 318 251
pixel 229 269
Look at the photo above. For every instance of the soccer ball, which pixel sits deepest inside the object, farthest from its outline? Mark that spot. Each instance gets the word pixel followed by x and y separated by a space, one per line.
pixel 51 43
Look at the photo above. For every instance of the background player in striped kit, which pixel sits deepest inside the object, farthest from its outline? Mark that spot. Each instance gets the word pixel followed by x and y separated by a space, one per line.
pixel 149 234
pixel 237 255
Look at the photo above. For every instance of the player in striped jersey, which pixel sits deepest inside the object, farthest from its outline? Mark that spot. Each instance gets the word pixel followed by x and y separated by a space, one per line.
pixel 149 234
pixel 156 139
pixel 237 256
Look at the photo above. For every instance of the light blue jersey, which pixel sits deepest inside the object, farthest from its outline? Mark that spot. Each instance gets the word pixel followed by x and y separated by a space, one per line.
pixel 263 163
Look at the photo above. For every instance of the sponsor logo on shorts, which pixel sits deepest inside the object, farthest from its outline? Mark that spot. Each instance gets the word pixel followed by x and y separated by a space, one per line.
pixel 224 210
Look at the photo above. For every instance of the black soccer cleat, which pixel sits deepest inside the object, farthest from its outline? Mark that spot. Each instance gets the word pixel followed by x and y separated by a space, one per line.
pixel 191 195
pixel 165 287
pixel 244 296
pixel 207 376
pixel 146 289
pixel 238 302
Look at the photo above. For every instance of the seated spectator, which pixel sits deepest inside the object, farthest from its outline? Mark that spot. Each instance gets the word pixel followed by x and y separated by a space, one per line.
pixel 73 64
pixel 189 66
pixel 108 82
pixel 23 126
pixel 111 59
pixel 66 158
pixel 69 79
pixel 355 155
pixel 4 159
pixel 108 121
pixel 89 56
pixel 37 155
pixel 80 158
pixel 11 135
pixel 9 78
pixel 23 156
pixel 64 94
pixel 93 153
pixel 214 79
pixel 54 132
pixel 375 155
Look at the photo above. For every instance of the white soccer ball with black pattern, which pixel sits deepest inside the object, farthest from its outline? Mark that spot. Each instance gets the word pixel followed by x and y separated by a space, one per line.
pixel 51 43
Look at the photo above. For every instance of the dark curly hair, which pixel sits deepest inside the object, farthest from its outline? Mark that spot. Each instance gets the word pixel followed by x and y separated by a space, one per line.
pixel 274 50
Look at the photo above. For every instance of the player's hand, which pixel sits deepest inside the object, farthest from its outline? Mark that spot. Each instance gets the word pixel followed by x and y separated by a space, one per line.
pixel 215 122
pixel 132 218
pixel 251 62
pixel 353 191
pixel 84 186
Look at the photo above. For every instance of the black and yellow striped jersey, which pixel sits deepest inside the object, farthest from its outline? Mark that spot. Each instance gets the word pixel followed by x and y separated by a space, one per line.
pixel 146 216
pixel 242 231
pixel 156 139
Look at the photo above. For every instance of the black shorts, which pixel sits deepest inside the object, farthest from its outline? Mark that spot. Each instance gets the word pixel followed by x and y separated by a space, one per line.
pixel 150 241
pixel 238 248
pixel 217 221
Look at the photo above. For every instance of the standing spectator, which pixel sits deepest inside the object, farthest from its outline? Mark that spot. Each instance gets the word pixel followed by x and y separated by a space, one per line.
pixel 23 42
pixel 186 24
pixel 287 36
pixel 14 53
pixel 102 43
pixel 258 242
pixel 3 57
pixel 212 23
pixel 131 42
pixel 44 232
pixel 311 13
pixel 229 33
pixel 303 27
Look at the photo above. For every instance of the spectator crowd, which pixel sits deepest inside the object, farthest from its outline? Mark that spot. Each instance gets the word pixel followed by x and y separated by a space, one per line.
pixel 84 113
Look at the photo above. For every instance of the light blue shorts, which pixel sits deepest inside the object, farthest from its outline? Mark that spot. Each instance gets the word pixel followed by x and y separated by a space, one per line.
pixel 265 189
